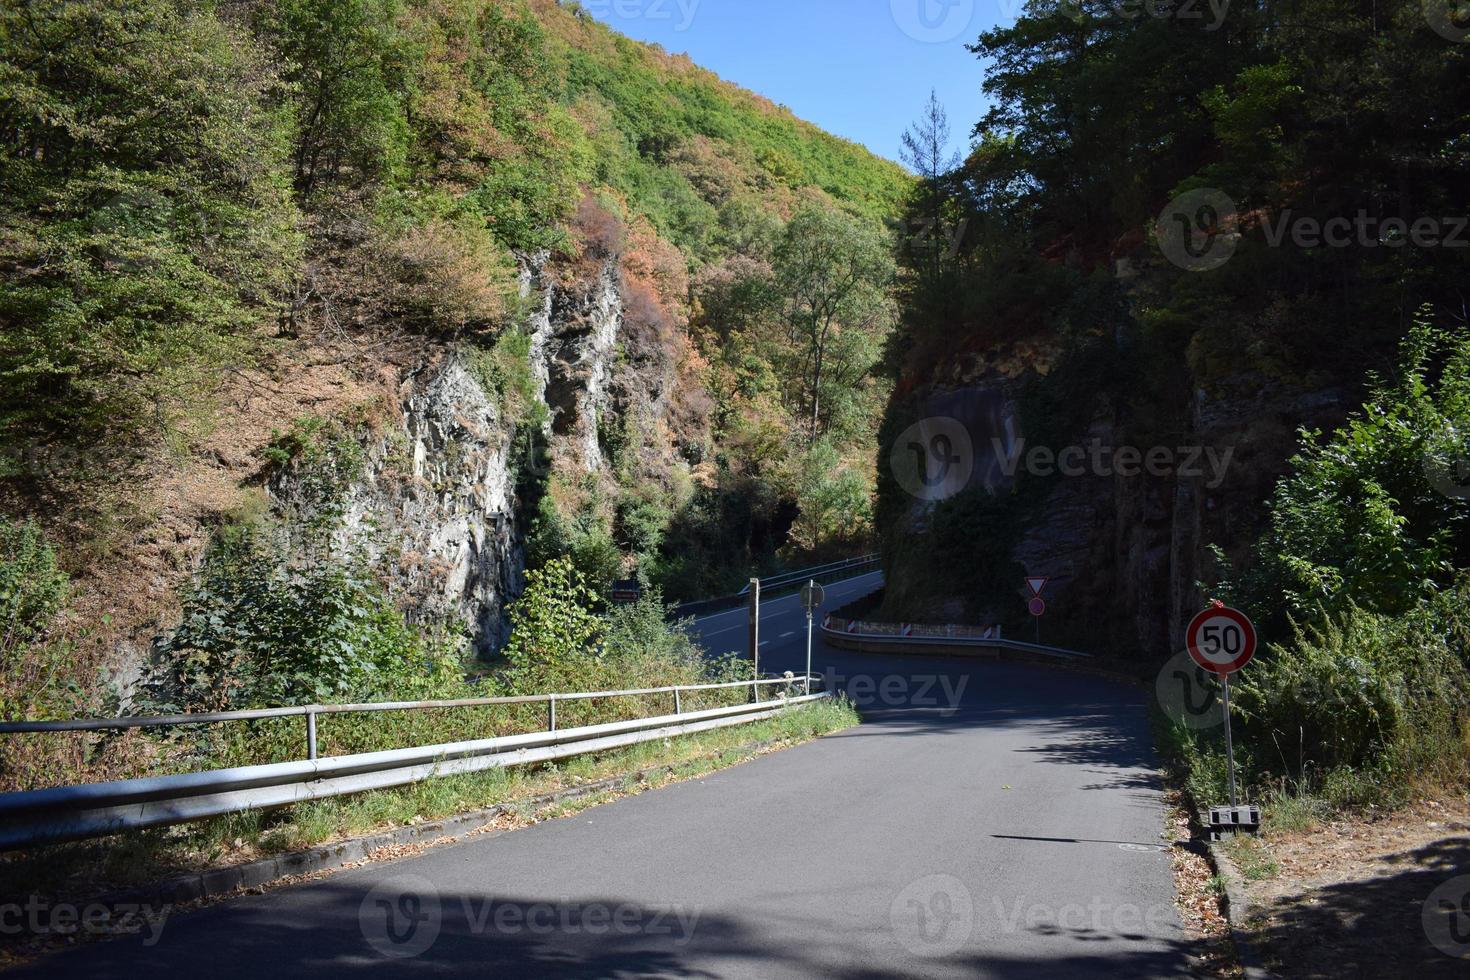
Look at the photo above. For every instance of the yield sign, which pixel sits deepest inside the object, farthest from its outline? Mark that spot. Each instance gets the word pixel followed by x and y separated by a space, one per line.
pixel 1037 584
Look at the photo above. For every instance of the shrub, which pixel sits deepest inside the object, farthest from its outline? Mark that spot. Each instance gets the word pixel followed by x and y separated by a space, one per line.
pixel 1364 703
pixel 33 590
pixel 555 637
pixel 1371 515
pixel 264 627
pixel 37 671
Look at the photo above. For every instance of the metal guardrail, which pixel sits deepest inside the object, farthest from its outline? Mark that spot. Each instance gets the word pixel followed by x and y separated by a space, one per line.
pixel 69 813
pixel 312 711
pixel 777 583
pixel 875 635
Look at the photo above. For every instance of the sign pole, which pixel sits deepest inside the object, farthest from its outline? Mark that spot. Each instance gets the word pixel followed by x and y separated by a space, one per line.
pixel 1229 742
pixel 755 633
pixel 808 651
pixel 812 596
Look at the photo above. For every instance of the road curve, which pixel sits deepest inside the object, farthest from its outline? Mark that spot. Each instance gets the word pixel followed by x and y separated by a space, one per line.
pixel 987 820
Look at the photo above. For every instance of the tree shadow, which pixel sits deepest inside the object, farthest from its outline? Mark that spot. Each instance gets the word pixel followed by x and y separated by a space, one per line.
pixel 353 931
pixel 1375 927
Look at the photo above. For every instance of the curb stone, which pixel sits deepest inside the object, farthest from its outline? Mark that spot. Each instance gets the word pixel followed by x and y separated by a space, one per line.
pixel 1237 912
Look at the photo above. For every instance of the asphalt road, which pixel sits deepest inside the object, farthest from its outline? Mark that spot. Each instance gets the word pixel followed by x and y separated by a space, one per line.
pixel 987 820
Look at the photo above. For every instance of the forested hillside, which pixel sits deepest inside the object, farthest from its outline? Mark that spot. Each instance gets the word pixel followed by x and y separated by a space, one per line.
pixel 1205 324
pixel 423 292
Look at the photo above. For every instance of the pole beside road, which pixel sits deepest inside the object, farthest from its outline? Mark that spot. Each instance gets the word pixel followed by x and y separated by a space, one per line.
pixel 755 630
pixel 812 596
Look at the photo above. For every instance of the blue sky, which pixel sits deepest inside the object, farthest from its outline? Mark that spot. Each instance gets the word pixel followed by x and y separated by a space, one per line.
pixel 858 68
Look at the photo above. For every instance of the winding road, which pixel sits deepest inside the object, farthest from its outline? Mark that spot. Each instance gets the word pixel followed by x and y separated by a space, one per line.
pixel 987 820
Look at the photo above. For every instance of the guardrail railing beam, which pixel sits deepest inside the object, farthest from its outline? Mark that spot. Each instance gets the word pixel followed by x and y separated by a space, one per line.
pixel 93 810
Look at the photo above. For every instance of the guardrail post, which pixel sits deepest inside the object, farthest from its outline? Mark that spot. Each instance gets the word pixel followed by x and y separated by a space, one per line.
pixel 551 713
pixel 311 734
pixel 678 704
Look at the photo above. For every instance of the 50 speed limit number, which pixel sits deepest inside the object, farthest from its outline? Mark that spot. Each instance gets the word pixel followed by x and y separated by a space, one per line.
pixel 1222 640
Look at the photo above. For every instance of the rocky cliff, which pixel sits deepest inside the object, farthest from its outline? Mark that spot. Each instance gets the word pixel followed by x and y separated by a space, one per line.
pixel 1066 480
pixel 440 497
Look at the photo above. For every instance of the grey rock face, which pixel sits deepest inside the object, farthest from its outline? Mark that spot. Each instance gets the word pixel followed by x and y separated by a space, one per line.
pixel 574 343
pixel 438 499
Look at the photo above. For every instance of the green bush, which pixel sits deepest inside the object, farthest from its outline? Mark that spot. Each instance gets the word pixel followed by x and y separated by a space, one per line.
pixel 559 645
pixel 268 624
pixel 555 637
pixel 38 677
pixel 33 591
pixel 1371 515
pixel 1345 692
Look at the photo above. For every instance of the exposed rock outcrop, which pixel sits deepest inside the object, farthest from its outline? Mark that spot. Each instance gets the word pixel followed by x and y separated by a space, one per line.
pixel 1125 553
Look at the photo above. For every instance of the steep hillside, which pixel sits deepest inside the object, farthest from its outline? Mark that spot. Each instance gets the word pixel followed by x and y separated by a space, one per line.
pixel 432 290
pixel 1150 295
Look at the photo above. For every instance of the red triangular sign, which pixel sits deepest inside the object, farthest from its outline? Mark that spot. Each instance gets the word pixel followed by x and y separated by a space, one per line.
pixel 1037 584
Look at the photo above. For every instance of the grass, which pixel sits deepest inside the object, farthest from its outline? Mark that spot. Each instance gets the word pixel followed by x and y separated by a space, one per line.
pixel 135 858
pixel 1252 858
pixel 1293 810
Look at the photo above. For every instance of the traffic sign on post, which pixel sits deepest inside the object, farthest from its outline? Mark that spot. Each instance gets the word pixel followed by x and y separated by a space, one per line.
pixel 1037 605
pixel 812 597
pixel 1222 641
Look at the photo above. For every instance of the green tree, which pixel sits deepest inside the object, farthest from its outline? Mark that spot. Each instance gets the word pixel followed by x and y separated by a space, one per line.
pixel 834 273
pixel 835 501
pixel 926 151
pixel 147 218
pixel 554 633
pixel 345 62
pixel 1376 514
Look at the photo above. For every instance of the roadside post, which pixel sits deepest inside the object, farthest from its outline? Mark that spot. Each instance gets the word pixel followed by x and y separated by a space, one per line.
pixel 812 596
pixel 1037 606
pixel 755 633
pixel 1222 641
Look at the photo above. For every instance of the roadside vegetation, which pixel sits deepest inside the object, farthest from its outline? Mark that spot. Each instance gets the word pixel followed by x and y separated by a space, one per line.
pixel 273 623
pixel 1364 568
pixel 1041 250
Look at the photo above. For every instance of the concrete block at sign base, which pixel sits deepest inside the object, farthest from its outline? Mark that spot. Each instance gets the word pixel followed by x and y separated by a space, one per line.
pixel 1226 820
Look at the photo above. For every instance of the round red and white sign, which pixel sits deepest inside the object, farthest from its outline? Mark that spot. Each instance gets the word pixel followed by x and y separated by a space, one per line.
pixel 1222 640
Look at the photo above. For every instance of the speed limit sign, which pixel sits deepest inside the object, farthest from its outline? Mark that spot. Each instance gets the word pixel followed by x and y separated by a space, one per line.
pixel 1222 640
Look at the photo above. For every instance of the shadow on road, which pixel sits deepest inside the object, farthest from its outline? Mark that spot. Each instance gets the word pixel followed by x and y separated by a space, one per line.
pixel 350 933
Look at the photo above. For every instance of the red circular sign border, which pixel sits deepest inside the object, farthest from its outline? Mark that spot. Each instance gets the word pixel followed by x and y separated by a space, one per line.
pixel 1241 620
